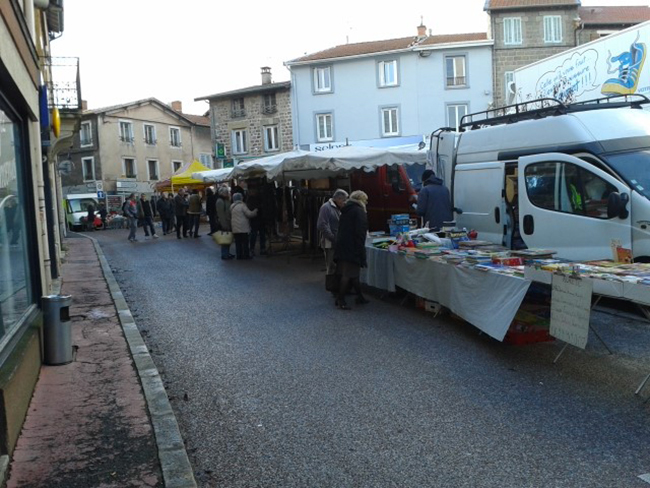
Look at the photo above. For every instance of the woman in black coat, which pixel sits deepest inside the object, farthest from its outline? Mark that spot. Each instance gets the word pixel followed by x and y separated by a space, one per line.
pixel 350 249
pixel 211 210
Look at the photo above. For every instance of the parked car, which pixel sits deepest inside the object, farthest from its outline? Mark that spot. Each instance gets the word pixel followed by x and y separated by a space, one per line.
pixel 76 207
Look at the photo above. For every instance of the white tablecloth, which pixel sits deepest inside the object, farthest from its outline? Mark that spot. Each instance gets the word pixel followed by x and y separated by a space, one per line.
pixel 489 301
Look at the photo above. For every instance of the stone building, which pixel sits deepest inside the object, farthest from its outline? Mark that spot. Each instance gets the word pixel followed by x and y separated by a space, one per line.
pixel 251 122
pixel 525 31
pixel 130 147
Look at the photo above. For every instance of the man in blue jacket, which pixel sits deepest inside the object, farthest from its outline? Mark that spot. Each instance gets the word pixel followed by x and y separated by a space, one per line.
pixel 434 201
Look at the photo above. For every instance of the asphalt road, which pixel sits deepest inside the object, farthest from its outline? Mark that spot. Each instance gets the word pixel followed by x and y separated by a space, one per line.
pixel 273 386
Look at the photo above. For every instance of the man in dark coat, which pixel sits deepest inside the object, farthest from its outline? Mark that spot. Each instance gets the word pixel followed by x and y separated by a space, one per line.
pixel 180 211
pixel 163 205
pixel 211 210
pixel 350 249
pixel 434 201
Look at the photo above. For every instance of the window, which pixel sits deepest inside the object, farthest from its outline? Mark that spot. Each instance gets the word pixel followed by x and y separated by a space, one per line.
pixel 324 127
pixel 454 114
pixel 552 28
pixel 129 168
pixel 271 138
pixel 152 167
pixel 455 70
pixel 150 134
pixel 126 132
pixel 269 105
pixel 86 134
pixel 322 80
pixel 176 165
pixel 206 160
pixel 238 109
pixel 239 141
pixel 511 30
pixel 509 87
pixel 387 73
pixel 389 122
pixel 88 168
pixel 565 187
pixel 16 287
pixel 174 137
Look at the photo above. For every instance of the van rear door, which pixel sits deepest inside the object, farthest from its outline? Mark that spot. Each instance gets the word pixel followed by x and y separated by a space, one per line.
pixel 478 192
pixel 563 206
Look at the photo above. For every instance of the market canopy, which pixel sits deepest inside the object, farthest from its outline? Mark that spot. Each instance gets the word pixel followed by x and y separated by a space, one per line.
pixel 262 166
pixel 183 177
pixel 344 159
pixel 213 175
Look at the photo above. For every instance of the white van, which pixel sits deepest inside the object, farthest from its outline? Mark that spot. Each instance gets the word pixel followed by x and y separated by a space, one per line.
pixel 568 178
pixel 76 206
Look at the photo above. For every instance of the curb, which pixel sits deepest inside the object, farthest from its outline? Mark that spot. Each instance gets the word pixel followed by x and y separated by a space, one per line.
pixel 174 462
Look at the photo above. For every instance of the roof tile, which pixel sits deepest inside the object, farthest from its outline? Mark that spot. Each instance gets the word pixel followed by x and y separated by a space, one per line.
pixel 518 4
pixel 614 15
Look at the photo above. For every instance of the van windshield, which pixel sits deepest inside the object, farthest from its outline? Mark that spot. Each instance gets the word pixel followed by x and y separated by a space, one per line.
pixel 414 172
pixel 80 205
pixel 634 167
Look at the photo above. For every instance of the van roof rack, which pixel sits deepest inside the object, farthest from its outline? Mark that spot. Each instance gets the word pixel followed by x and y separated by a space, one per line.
pixel 546 107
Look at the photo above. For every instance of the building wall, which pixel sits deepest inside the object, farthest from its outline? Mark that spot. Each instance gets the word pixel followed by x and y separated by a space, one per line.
pixel 533 48
pixel 109 151
pixel 421 95
pixel 254 122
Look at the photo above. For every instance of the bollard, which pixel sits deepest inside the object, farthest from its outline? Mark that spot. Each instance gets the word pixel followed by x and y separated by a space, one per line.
pixel 57 332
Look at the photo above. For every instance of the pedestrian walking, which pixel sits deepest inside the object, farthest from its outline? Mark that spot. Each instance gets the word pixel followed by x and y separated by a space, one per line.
pixel 254 202
pixel 211 210
pixel 102 214
pixel 194 213
pixel 328 226
pixel 145 215
pixel 241 226
pixel 350 249
pixel 180 211
pixel 90 218
pixel 434 202
pixel 163 208
pixel 170 215
pixel 131 212
pixel 225 218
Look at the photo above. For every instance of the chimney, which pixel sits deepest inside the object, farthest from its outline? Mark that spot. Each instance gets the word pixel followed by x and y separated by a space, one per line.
pixel 177 106
pixel 266 75
pixel 422 29
pixel 84 105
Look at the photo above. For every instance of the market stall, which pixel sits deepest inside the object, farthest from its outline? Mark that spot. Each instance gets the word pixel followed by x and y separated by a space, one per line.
pixel 213 175
pixel 183 178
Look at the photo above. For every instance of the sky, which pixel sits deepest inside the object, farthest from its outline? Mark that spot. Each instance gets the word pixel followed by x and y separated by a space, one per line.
pixel 171 50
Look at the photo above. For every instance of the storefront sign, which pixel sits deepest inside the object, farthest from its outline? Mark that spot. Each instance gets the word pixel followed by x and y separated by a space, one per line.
pixel 114 203
pixel 571 309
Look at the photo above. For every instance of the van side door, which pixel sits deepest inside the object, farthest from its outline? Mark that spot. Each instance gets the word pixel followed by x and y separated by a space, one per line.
pixel 478 192
pixel 563 206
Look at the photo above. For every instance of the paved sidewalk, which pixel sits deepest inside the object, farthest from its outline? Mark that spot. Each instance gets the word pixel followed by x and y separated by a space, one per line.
pixel 103 420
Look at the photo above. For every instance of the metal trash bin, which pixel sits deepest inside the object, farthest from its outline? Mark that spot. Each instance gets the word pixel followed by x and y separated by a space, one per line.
pixel 57 331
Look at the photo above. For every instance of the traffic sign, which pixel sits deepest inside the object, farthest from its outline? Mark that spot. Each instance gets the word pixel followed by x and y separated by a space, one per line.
pixel 101 195
pixel 99 185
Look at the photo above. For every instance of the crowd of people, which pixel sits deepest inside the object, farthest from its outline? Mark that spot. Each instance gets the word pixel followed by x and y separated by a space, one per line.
pixel 182 213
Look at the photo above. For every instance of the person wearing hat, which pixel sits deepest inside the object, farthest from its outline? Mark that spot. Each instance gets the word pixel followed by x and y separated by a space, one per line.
pixel 434 201
pixel 350 249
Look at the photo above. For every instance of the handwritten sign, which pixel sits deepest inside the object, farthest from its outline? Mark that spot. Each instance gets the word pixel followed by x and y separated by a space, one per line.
pixel 571 309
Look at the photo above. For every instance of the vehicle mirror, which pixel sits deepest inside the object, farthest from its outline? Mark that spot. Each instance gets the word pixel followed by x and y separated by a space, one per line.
pixel 459 211
pixel 624 212
pixel 613 205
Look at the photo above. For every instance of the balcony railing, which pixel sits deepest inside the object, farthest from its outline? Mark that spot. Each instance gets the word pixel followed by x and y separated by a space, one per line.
pixel 238 112
pixel 456 81
pixel 64 87
pixel 269 109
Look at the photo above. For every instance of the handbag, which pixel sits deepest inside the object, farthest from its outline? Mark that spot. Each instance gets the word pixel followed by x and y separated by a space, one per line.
pixel 332 282
pixel 222 237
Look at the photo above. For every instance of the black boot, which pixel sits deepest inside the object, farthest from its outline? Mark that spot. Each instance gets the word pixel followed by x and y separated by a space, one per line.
pixel 343 289
pixel 356 286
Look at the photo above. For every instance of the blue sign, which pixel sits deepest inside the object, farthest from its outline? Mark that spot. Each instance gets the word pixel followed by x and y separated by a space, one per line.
pixel 101 195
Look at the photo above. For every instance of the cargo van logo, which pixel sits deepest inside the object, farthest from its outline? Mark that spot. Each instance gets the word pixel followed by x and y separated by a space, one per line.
pixel 630 64
pixel 575 76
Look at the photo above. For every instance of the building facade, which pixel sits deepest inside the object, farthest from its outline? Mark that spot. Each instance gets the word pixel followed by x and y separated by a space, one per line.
pixel 131 147
pixel 526 31
pixel 390 92
pixel 251 122
pixel 30 135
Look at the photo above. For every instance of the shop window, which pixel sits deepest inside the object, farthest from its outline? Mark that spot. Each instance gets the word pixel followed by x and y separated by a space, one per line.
pixel 16 295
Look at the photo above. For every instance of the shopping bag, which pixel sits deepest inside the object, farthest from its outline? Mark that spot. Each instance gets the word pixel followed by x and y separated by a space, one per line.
pixel 332 282
pixel 222 237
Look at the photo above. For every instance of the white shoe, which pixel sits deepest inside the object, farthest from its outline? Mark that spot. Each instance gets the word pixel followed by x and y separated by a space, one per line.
pixel 155 236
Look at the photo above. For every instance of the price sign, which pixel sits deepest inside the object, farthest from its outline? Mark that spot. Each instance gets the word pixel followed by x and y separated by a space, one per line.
pixel 571 309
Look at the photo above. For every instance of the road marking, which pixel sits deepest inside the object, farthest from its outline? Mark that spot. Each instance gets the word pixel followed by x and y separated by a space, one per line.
pixel 645 477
